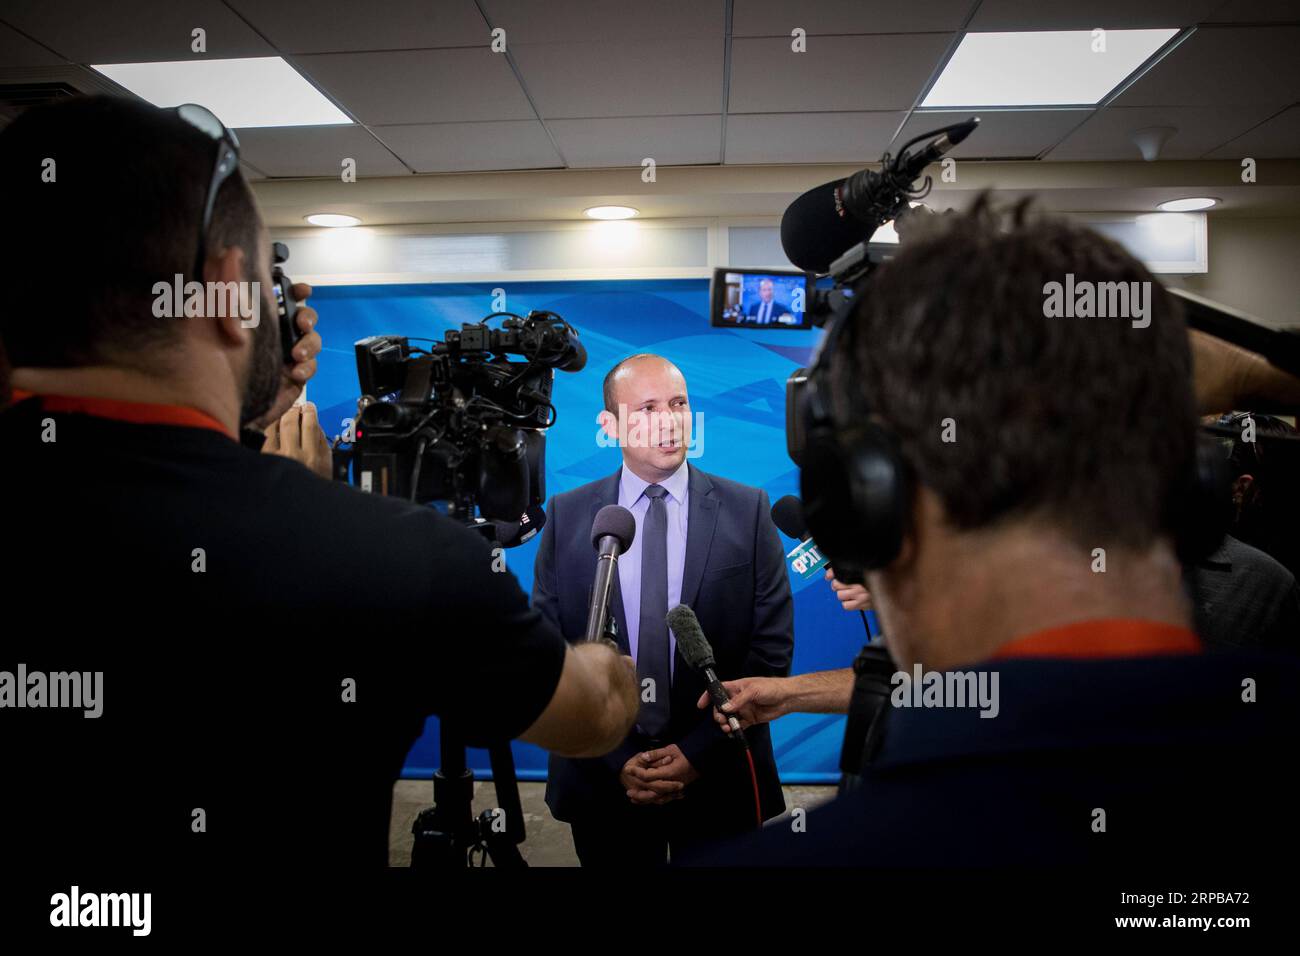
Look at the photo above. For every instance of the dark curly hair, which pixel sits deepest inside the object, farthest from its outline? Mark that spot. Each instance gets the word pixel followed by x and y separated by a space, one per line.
pixel 1087 423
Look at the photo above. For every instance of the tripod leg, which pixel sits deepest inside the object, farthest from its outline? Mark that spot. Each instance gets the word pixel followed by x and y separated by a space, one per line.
pixel 503 840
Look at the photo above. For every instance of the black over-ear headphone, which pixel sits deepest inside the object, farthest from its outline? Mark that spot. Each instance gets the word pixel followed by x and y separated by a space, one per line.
pixel 856 489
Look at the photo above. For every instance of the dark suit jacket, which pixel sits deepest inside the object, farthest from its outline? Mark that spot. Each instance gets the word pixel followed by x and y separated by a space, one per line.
pixel 735 581
pixel 778 309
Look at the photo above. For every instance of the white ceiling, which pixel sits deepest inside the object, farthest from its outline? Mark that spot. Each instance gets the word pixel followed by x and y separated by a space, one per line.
pixel 592 84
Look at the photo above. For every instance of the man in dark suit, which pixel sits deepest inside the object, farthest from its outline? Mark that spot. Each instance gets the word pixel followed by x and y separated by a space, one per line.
pixel 767 311
pixel 702 541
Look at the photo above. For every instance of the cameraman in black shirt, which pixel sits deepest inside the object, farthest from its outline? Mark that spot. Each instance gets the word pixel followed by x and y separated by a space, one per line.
pixel 238 619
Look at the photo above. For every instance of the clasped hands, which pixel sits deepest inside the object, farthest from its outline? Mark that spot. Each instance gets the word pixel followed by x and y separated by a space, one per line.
pixel 656 777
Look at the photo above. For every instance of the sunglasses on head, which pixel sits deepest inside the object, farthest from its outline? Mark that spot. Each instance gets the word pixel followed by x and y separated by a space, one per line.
pixel 226 162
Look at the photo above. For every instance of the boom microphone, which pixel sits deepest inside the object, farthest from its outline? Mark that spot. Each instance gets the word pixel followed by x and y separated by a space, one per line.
pixel 828 220
pixel 699 655
pixel 814 232
pixel 612 533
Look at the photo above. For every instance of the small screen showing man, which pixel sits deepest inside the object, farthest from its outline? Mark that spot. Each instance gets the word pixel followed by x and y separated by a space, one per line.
pixel 763 301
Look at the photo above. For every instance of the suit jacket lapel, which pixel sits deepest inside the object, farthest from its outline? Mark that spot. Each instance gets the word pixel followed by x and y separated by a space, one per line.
pixel 607 494
pixel 702 515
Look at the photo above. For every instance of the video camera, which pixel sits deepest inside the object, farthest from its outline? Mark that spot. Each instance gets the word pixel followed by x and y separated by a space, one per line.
pixel 828 231
pixel 460 422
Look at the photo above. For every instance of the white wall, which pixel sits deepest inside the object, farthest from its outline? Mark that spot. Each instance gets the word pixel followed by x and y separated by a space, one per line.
pixel 1254 267
pixel 1253 264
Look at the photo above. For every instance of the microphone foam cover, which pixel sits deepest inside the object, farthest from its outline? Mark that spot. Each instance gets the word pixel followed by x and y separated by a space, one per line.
pixel 615 520
pixel 813 234
pixel 787 514
pixel 690 637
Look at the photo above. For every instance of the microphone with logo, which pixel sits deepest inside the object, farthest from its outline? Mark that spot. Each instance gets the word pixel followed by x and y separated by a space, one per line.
pixel 828 220
pixel 698 654
pixel 806 560
pixel 511 534
pixel 612 533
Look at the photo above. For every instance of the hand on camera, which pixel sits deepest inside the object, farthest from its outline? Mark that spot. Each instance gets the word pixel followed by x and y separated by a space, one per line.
pixel 293 378
pixel 298 435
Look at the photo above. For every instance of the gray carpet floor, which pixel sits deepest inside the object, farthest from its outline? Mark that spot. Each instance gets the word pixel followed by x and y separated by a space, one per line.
pixel 548 842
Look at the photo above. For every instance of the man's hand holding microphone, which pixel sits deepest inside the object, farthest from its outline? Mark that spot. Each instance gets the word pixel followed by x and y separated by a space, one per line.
pixel 760 700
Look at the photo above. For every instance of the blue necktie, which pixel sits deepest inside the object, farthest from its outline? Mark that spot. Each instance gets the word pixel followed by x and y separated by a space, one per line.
pixel 652 660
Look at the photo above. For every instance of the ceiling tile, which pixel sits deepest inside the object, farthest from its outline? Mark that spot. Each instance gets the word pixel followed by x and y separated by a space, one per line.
pixel 1224 66
pixel 668 140
pixel 809 137
pixel 134 31
pixel 18 51
pixel 835 74
pixel 776 18
pixel 1002 134
pixel 420 86
pixel 344 26
pixel 578 21
pixel 316 151
pixel 1276 138
pixel 1017 15
pixel 636 77
pixel 460 147
pixel 1256 11
pixel 1108 134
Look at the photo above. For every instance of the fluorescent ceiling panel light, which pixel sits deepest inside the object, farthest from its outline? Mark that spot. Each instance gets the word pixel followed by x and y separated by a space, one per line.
pixel 1054 68
pixel 244 93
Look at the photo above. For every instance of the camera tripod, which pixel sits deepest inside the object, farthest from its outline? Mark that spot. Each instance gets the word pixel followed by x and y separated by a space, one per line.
pixel 447 835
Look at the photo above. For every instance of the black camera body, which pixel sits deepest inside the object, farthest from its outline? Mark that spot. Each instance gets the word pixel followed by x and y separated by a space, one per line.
pixel 461 422
pixel 286 306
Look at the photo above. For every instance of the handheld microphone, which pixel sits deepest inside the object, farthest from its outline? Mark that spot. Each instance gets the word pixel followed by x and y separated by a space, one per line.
pixel 828 220
pixel 699 655
pixel 806 560
pixel 787 514
pixel 612 533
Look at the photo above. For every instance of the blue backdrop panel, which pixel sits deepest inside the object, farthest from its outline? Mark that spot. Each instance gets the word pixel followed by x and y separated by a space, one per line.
pixel 736 380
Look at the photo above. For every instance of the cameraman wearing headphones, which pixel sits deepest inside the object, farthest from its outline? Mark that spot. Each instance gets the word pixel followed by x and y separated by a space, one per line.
pixel 1018 489
pixel 239 619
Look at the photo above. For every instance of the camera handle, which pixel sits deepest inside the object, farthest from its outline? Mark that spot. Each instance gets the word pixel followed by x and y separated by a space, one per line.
pixel 868 714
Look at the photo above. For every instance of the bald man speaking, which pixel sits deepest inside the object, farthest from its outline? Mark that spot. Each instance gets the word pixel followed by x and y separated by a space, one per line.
pixel 703 541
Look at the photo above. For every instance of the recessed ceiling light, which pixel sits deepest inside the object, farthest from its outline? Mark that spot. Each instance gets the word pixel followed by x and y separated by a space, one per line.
pixel 610 212
pixel 332 219
pixel 1052 68
pixel 244 93
pixel 1186 205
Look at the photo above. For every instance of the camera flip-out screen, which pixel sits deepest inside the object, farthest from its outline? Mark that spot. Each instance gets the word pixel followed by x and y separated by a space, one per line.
pixel 759 299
